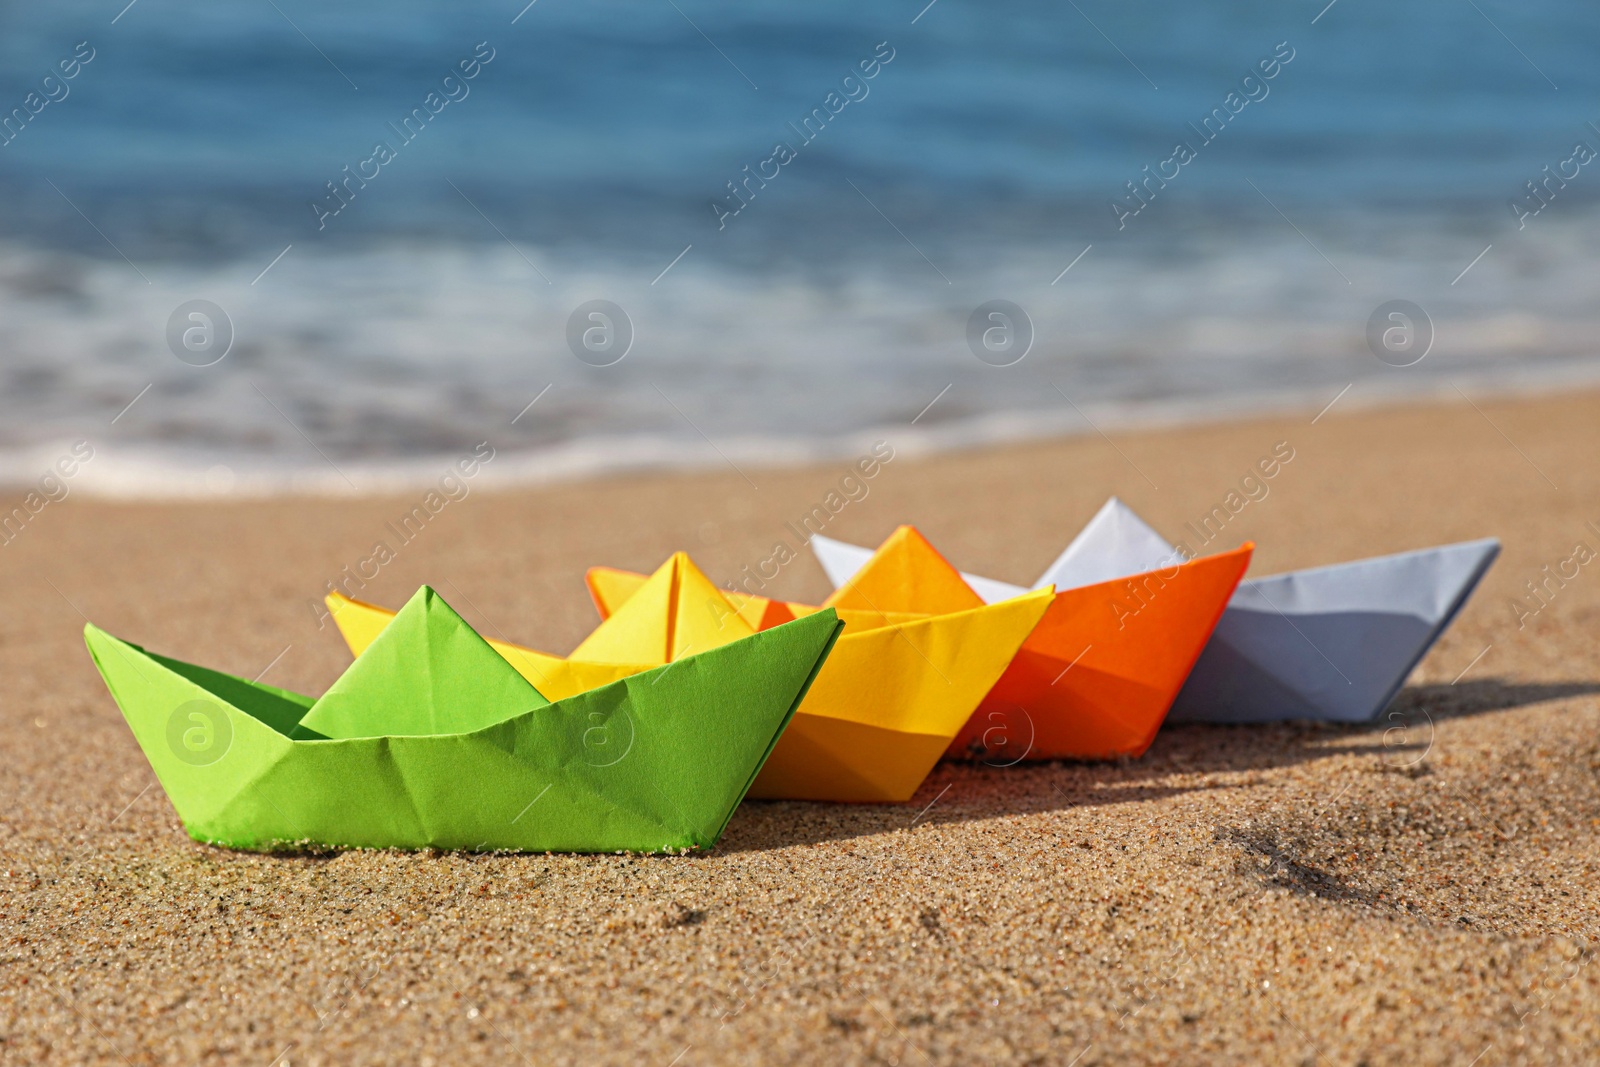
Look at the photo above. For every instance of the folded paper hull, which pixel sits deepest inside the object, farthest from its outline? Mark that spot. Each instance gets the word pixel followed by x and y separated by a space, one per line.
pixel 889 701
pixel 1331 643
pixel 1097 676
pixel 841 761
pixel 654 762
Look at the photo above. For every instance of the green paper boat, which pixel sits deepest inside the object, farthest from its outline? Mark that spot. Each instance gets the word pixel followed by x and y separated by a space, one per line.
pixel 432 740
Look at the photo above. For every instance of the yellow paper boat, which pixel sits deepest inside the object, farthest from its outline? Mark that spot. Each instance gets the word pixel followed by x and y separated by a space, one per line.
pixel 882 710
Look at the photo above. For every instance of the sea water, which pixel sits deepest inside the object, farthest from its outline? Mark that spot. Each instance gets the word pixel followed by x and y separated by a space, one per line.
pixel 398 208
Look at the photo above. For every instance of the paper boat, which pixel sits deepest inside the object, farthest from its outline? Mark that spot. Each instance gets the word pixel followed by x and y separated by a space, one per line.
pixel 1096 677
pixel 884 708
pixel 431 740
pixel 1332 643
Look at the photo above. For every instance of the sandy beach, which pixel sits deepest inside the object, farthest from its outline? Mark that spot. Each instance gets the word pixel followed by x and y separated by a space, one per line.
pixel 1419 890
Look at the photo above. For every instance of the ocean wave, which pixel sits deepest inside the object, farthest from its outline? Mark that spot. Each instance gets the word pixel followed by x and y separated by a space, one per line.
pixel 150 472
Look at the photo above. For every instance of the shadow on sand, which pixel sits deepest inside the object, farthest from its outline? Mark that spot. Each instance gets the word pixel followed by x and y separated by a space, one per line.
pixel 963 792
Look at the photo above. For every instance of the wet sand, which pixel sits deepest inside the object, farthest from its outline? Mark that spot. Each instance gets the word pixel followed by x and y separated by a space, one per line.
pixel 1419 890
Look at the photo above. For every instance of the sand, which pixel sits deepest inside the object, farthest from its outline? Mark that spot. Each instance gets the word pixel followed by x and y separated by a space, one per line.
pixel 1420 890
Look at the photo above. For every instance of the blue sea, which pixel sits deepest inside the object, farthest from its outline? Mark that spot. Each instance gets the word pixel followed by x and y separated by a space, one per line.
pixel 404 214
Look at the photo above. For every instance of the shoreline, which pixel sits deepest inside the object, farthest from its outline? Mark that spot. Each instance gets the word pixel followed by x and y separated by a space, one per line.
pixel 142 474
